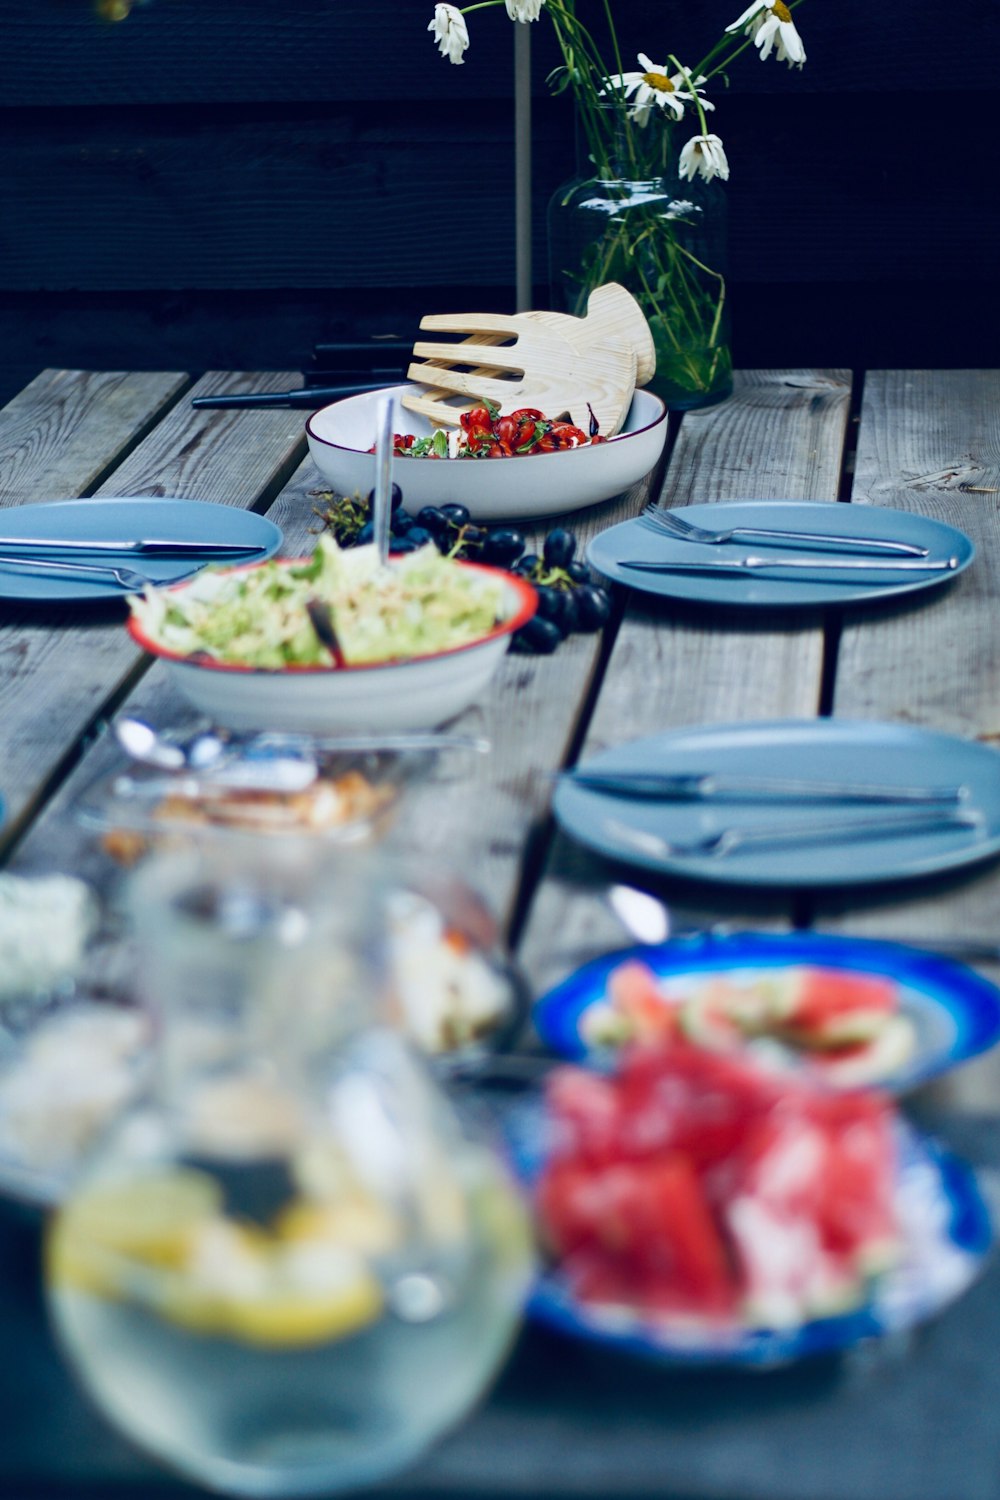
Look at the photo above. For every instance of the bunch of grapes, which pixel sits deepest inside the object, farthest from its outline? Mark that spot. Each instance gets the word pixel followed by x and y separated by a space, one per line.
pixel 568 599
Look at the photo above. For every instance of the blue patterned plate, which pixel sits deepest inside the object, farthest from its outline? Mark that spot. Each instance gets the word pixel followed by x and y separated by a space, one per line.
pixel 955 1013
pixel 946 1232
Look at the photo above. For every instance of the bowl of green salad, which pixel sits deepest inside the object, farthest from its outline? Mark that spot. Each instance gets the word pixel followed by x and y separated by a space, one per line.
pixel 419 638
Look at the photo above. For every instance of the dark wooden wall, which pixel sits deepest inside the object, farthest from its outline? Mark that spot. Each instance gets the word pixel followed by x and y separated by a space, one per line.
pixel 226 182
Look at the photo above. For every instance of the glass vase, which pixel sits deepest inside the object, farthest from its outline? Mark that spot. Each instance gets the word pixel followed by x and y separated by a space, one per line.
pixel 288 1270
pixel 628 217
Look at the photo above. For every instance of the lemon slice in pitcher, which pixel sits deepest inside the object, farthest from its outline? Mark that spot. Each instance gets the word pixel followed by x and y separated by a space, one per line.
pixel 255 1289
pixel 148 1219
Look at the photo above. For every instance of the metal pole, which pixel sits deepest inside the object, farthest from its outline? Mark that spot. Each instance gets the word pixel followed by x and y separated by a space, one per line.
pixel 522 166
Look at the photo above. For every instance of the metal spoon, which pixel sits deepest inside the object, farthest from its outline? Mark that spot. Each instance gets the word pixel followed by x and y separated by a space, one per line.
pixel 644 917
pixel 145 744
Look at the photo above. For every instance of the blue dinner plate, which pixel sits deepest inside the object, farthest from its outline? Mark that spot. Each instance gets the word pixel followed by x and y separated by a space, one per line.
pixel 126 518
pixel 860 844
pixel 946 1234
pixel 803 589
pixel 955 1012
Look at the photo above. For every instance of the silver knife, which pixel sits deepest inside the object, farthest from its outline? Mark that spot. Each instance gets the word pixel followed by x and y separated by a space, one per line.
pixel 690 786
pixel 815 564
pixel 146 546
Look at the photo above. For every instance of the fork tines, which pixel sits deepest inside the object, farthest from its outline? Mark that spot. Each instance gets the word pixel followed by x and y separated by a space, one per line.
pixel 664 520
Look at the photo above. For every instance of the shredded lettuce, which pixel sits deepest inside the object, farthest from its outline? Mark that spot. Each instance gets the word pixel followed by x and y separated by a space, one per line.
pixel 420 604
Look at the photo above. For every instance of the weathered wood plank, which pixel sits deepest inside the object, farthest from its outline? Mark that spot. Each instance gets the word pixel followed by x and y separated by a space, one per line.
pixel 477 823
pixel 60 434
pixel 59 669
pixel 482 822
pixel 781 436
pixel 929 443
pixel 366 197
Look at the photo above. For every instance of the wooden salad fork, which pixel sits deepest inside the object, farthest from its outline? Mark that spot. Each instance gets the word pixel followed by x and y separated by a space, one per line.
pixel 581 367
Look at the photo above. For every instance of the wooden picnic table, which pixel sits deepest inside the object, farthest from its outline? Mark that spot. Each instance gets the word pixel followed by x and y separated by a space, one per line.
pixel 570 1419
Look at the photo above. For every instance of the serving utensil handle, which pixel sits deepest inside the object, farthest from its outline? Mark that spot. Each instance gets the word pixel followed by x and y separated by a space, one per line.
pixel 382 503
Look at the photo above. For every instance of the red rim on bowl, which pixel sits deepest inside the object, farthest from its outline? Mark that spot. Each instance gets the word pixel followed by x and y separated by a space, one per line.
pixel 525 608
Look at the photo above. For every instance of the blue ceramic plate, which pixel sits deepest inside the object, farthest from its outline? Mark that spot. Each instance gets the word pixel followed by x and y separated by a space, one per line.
pixel 946 1231
pixel 124 519
pixel 955 1013
pixel 859 845
pixel 802 589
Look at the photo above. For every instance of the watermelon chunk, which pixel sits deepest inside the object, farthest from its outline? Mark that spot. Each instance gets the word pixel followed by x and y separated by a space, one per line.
pixel 696 1183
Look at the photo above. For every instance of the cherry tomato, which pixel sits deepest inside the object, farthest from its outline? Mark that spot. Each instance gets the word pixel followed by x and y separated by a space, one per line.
pixel 476 419
pixel 568 436
pixel 508 430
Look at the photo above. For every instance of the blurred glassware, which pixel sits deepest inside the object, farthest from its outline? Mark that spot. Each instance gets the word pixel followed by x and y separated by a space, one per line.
pixel 453 986
pixel 286 1271
pixel 46 922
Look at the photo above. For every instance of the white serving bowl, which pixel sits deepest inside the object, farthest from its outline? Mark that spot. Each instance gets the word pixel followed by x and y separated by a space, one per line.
pixel 413 693
pixel 500 489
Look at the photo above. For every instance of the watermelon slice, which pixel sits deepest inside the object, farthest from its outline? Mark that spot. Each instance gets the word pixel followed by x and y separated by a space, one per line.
pixel 637 1009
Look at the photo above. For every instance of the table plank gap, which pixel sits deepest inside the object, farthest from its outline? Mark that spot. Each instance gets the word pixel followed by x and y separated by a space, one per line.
pixel 67 428
pixel 929 444
pixel 781 435
pixel 72 666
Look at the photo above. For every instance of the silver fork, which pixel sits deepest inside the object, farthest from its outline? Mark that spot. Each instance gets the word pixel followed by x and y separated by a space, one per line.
pixel 731 840
pixel 127 578
pixel 668 522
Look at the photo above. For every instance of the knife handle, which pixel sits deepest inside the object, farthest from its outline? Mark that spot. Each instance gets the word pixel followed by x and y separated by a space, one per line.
pixel 311 397
pixel 149 547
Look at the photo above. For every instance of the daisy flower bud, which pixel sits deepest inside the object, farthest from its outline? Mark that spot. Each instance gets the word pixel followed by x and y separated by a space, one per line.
pixel 524 10
pixel 703 156
pixel 450 32
pixel 770 24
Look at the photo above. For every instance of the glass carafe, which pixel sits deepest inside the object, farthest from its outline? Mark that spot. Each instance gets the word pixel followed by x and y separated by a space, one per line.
pixel 288 1270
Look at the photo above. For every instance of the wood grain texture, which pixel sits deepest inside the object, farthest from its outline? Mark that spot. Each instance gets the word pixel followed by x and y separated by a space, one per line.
pixel 367 196
pixel 557 364
pixel 66 427
pixel 484 822
pixel 59 668
pixel 780 436
pixel 479 820
pixel 929 443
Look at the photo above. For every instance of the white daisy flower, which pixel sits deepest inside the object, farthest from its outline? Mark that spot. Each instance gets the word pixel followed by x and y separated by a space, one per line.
pixel 655 88
pixel 703 156
pixel 450 32
pixel 524 10
pixel 770 24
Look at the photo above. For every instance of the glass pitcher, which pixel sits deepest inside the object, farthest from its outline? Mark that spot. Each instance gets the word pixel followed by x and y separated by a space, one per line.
pixel 287 1271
